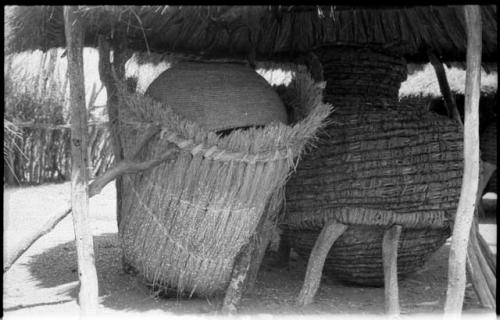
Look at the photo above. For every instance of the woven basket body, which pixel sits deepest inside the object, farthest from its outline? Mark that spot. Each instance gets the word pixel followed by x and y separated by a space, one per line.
pixel 185 221
pixel 378 163
pixel 218 96
pixel 488 145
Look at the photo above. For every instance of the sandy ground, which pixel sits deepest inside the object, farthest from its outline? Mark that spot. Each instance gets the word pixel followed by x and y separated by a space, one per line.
pixel 43 283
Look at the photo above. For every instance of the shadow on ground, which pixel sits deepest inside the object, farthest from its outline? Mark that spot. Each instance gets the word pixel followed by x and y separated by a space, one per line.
pixel 275 290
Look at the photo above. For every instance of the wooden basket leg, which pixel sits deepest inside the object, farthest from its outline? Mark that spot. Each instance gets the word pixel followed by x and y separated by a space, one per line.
pixel 330 232
pixel 390 257
pixel 239 275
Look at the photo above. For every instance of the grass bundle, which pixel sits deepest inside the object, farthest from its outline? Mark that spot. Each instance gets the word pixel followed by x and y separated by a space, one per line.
pixel 378 165
pixel 185 221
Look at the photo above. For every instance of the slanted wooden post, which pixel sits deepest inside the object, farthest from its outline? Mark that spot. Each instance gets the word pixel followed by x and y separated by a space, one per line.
pixel 79 175
pixel 390 259
pixel 470 182
pixel 449 99
pixel 328 235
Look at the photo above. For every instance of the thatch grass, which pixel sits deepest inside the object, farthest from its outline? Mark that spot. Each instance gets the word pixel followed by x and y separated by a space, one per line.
pixel 185 221
pixel 273 32
pixel 11 137
pixel 423 82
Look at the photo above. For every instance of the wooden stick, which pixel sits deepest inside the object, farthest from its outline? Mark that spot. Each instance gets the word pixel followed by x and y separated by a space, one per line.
pixel 127 166
pixel 330 232
pixel 246 265
pixel 390 259
pixel 95 187
pixel 79 178
pixel 449 99
pixel 234 291
pixel 27 242
pixel 466 205
pixel 105 74
pixel 263 238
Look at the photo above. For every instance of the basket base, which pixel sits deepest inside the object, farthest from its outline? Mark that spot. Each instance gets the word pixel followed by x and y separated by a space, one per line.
pixel 356 257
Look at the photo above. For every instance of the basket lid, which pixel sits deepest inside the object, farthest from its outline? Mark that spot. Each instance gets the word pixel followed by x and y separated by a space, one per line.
pixel 218 96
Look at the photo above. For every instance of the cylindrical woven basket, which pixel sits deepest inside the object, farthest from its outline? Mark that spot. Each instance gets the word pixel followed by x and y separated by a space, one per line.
pixel 488 146
pixel 377 165
pixel 184 222
pixel 218 96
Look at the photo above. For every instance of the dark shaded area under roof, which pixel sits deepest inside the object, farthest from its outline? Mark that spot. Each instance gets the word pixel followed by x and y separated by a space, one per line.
pixel 276 33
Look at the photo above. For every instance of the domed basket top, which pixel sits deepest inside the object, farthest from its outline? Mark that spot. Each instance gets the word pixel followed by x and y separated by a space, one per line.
pixel 218 96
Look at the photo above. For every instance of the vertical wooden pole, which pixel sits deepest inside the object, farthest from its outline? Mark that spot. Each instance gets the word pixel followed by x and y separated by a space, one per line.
pixel 470 182
pixel 328 235
pixel 390 259
pixel 79 178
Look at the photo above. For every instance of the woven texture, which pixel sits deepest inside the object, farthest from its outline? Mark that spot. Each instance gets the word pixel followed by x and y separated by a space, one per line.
pixel 356 257
pixel 488 145
pixel 379 165
pixel 218 96
pixel 184 222
pixel 355 71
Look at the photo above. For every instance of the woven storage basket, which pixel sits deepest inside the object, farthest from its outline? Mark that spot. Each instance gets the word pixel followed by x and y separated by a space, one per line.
pixel 488 145
pixel 361 72
pixel 377 165
pixel 184 222
pixel 218 96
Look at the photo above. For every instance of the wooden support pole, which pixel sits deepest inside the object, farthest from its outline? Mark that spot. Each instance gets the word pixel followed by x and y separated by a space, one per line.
pixel 234 291
pixel 390 260
pixel 105 74
pixel 470 182
pixel 449 99
pixel 247 264
pixel 328 235
pixel 79 178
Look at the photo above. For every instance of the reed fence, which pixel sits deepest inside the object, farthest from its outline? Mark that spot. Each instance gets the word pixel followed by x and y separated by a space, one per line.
pixel 43 153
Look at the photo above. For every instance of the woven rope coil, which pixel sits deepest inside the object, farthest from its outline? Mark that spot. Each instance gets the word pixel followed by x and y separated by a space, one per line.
pixel 185 221
pixel 399 161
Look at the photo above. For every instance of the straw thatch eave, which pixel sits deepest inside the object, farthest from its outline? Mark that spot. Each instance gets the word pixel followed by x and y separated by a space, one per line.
pixel 272 32
pixel 422 82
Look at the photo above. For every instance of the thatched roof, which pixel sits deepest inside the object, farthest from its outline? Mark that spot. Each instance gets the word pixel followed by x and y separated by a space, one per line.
pixel 422 82
pixel 272 32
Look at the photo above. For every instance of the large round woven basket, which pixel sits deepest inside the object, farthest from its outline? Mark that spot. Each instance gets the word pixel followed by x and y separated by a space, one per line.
pixel 185 221
pixel 488 145
pixel 377 165
pixel 218 96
